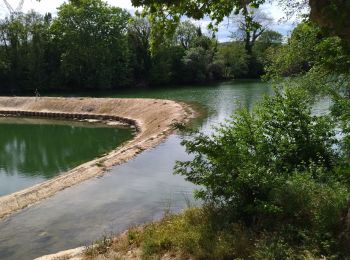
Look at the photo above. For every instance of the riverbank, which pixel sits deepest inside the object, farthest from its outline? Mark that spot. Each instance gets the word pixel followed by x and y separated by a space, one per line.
pixel 175 236
pixel 196 233
pixel 154 120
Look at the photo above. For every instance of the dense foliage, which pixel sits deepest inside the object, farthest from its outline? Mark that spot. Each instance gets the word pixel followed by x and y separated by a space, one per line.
pixel 309 49
pixel 91 45
pixel 91 40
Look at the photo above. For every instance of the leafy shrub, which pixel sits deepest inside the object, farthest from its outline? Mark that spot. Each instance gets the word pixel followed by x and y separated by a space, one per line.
pixel 254 153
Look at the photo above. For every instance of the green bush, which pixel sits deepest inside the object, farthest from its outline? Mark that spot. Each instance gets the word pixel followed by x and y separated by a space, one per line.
pixel 275 170
pixel 254 153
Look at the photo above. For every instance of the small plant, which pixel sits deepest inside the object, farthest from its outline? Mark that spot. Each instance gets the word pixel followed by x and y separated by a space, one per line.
pixel 100 164
pixel 99 247
pixel 179 126
pixel 134 236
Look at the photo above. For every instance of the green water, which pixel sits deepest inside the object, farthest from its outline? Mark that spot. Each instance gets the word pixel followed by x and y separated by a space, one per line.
pixel 34 150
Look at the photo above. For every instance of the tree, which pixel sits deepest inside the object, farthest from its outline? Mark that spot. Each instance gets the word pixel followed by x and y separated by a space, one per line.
pixel 333 15
pixel 234 60
pixel 217 9
pixel 269 38
pixel 299 55
pixel 139 41
pixel 251 23
pixel 92 38
pixel 24 40
pixel 187 56
pixel 167 66
pixel 199 60
pixel 186 34
pixel 165 15
pixel 268 42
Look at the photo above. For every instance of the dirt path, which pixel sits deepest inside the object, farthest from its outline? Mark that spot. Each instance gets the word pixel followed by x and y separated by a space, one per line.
pixel 152 118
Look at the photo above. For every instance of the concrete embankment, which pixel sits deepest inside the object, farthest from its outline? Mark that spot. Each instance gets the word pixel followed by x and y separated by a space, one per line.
pixel 152 118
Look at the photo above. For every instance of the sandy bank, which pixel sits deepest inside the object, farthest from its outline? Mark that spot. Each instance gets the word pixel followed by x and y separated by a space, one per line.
pixel 152 118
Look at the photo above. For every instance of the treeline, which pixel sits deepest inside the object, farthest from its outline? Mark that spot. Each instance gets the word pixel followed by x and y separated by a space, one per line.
pixel 91 45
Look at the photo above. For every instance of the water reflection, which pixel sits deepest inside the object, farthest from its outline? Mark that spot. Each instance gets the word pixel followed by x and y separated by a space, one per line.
pixel 35 151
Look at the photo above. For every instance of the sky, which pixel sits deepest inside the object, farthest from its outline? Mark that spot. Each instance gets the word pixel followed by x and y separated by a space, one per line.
pixel 225 28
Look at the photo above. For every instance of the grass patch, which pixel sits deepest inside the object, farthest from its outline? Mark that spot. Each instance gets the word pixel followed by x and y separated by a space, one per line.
pixel 99 247
pixel 198 233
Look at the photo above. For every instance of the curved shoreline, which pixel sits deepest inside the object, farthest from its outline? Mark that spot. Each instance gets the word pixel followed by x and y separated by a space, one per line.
pixel 152 118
